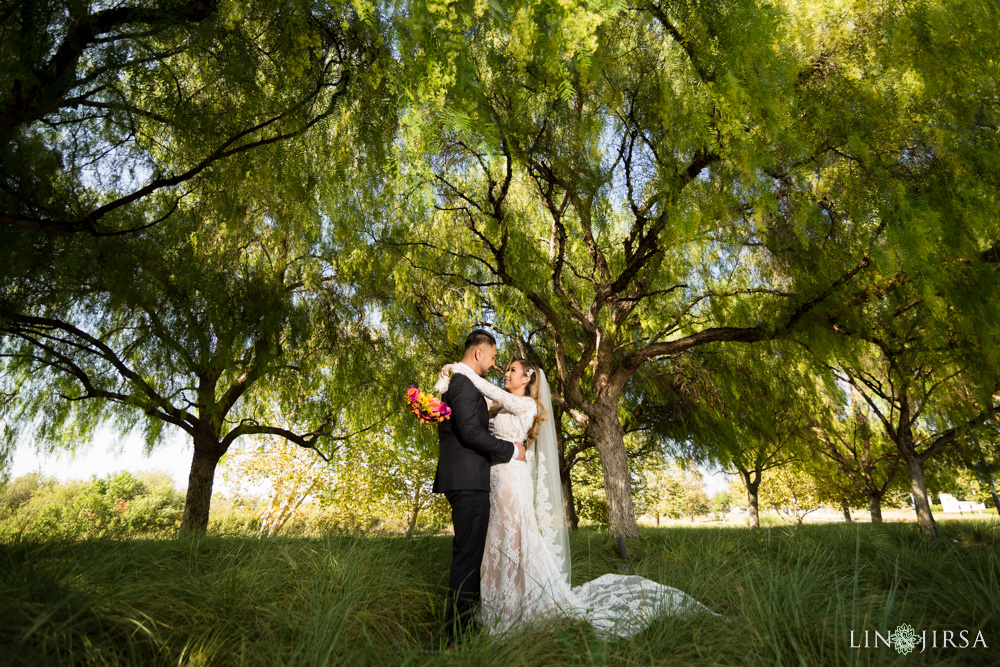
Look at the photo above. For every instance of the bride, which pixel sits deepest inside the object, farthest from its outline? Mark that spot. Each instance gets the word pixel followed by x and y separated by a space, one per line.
pixel 525 573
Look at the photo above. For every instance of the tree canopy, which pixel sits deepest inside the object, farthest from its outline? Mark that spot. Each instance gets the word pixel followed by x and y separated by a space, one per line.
pixel 690 213
pixel 112 115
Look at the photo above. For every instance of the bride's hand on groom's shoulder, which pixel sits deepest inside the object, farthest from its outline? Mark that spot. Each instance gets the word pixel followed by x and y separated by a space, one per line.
pixel 445 371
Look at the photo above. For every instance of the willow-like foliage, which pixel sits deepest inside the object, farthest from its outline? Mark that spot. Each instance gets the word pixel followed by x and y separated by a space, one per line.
pixel 112 113
pixel 213 290
pixel 625 185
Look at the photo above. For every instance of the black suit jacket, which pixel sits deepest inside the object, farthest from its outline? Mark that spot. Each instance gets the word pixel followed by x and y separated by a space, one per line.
pixel 466 444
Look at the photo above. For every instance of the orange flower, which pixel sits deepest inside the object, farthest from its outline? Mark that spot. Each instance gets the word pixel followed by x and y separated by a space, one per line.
pixel 425 407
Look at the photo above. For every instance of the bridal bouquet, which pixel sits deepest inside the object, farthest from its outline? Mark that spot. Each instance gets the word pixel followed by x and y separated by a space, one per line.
pixel 426 407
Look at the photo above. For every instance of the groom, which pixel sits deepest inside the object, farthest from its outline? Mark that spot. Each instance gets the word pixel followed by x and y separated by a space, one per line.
pixel 463 476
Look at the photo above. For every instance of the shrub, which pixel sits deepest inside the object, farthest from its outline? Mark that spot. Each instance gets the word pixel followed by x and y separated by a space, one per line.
pixel 115 506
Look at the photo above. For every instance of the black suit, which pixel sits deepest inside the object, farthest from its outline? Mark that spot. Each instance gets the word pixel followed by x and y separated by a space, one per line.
pixel 463 475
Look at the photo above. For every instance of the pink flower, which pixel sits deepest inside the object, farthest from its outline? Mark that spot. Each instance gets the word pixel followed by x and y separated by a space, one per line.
pixel 425 407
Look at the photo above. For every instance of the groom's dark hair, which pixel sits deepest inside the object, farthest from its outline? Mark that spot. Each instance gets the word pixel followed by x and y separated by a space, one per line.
pixel 479 337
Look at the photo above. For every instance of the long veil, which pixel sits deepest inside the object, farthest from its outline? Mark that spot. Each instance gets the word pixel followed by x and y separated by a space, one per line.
pixel 544 466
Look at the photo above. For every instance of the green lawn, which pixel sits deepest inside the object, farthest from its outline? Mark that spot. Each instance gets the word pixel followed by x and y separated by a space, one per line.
pixel 791 594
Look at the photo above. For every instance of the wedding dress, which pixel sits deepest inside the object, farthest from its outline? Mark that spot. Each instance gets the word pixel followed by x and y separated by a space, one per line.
pixel 525 574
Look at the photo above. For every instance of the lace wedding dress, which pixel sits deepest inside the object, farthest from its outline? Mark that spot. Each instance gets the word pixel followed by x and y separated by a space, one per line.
pixel 525 574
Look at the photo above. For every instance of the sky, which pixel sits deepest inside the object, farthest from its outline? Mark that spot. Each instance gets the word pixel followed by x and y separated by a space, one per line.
pixel 110 453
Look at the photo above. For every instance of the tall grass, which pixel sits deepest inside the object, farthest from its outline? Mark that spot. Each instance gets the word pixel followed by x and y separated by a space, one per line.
pixel 790 596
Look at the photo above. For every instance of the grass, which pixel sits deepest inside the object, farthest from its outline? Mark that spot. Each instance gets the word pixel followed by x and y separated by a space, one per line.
pixel 792 595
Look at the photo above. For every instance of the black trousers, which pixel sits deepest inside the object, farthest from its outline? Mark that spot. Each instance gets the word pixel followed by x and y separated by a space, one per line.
pixel 470 516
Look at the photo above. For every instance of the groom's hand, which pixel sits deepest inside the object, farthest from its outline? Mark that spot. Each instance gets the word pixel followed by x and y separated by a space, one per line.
pixel 519 455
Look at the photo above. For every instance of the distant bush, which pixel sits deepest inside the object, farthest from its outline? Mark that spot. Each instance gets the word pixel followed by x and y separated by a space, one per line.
pixel 591 506
pixel 235 516
pixel 17 493
pixel 147 504
pixel 114 506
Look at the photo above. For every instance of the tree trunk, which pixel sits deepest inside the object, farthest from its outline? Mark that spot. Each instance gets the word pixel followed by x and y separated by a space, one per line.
pixel 987 476
pixel 288 511
pixel 846 506
pixel 266 517
pixel 607 434
pixel 752 506
pixel 569 502
pixel 920 500
pixel 993 492
pixel 414 513
pixel 199 492
pixel 279 518
pixel 875 507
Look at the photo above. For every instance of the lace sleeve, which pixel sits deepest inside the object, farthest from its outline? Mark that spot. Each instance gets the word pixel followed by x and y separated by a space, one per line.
pixel 516 404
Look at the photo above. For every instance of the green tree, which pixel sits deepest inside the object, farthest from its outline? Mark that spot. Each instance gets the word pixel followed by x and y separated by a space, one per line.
pixel 643 448
pixel 720 504
pixel 746 410
pixel 861 454
pixel 639 184
pixel 978 454
pixel 792 492
pixel 15 493
pixel 246 302
pixel 118 505
pixel 915 386
pixel 214 323
pixel 388 474
pixel 111 113
pixel 672 491
pixel 833 488
pixel 923 306
pixel 286 473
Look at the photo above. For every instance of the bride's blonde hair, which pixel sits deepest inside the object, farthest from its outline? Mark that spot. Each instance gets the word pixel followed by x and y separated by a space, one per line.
pixel 533 388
